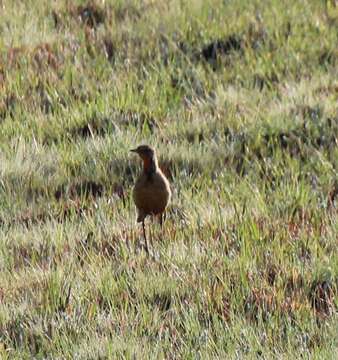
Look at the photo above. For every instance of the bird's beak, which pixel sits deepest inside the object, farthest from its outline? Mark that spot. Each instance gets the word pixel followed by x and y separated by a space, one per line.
pixel 134 150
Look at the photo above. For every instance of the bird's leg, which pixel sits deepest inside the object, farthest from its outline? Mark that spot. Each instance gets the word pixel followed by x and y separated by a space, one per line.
pixel 145 237
pixel 150 232
pixel 160 219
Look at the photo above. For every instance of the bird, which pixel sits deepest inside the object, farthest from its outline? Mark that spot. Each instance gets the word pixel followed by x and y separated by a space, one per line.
pixel 151 192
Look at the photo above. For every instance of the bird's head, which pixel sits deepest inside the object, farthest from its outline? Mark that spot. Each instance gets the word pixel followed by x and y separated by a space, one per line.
pixel 145 152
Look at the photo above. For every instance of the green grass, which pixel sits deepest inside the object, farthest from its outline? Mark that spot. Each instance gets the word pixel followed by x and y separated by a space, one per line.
pixel 246 265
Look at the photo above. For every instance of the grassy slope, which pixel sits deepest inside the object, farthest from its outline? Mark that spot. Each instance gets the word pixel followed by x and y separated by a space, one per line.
pixel 247 263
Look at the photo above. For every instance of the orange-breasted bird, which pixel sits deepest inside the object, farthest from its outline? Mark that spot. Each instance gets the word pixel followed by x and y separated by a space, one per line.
pixel 151 192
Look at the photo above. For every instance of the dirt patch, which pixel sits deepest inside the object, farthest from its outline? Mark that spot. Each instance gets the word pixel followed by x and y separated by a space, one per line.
pixel 137 119
pixel 163 301
pixel 79 190
pixel 221 47
pixel 70 208
pixel 90 14
pixel 260 302
pixel 294 284
pixel 92 128
pixel 99 126
pixel 191 167
pixel 44 254
pixel 43 55
pixel 321 296
pixel 313 132
pixel 254 37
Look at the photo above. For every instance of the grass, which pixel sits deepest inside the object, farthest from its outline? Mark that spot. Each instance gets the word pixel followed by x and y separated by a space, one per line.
pixel 240 99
